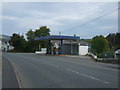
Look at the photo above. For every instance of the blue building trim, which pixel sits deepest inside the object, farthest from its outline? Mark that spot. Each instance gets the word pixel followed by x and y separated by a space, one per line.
pixel 58 38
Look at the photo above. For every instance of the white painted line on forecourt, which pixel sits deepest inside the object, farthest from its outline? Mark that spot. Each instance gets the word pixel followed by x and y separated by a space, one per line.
pixel 106 82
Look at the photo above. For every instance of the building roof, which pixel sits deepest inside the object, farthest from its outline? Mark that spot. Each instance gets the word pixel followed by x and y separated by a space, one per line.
pixel 55 37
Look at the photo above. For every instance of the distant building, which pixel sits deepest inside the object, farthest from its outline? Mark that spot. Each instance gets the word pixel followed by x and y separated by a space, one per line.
pixel 4 43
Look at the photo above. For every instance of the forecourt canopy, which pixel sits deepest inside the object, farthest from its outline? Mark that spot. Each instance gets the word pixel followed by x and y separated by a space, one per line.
pixel 63 48
pixel 58 38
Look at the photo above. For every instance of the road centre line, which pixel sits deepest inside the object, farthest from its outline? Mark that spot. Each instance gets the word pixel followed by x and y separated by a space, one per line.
pixel 87 76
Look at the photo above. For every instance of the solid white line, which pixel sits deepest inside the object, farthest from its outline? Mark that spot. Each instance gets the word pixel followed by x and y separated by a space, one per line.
pixel 17 76
pixel 87 76
pixel 72 71
pixel 18 79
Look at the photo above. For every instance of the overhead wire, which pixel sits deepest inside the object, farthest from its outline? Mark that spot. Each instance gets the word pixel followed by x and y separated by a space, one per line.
pixel 93 19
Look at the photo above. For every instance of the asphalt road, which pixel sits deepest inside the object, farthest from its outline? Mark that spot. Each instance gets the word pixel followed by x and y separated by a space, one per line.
pixel 45 71
pixel 9 79
pixel 0 70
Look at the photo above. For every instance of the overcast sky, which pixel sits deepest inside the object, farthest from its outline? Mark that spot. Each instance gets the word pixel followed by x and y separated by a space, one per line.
pixel 64 17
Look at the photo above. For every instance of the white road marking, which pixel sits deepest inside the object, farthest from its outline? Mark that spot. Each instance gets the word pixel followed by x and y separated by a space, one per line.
pixel 88 76
pixel 17 76
pixel 95 78
pixel 72 71
pixel 18 79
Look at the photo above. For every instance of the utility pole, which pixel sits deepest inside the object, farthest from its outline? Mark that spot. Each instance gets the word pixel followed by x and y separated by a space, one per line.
pixel 59 33
pixel 114 41
pixel 118 17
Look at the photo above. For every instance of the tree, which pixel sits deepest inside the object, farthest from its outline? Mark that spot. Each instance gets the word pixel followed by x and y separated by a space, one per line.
pixel 42 32
pixel 99 44
pixel 30 35
pixel 32 44
pixel 117 41
pixel 114 41
pixel 111 41
pixel 18 42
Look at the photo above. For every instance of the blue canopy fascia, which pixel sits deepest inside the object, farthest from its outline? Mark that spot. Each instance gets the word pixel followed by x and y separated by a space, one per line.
pixel 58 38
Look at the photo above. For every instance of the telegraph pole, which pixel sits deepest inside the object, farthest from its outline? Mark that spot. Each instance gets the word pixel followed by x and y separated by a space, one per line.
pixel 59 33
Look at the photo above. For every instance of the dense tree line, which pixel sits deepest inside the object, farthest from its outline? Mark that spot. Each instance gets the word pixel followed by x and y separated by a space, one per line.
pixel 30 45
pixel 114 41
pixel 108 45
pixel 18 42
pixel 99 44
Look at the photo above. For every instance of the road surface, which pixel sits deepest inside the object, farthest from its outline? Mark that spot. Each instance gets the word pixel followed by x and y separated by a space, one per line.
pixel 45 71
pixel 0 70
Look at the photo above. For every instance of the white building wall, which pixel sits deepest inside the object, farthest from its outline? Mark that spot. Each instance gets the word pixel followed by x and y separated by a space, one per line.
pixel 5 46
pixel 83 50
